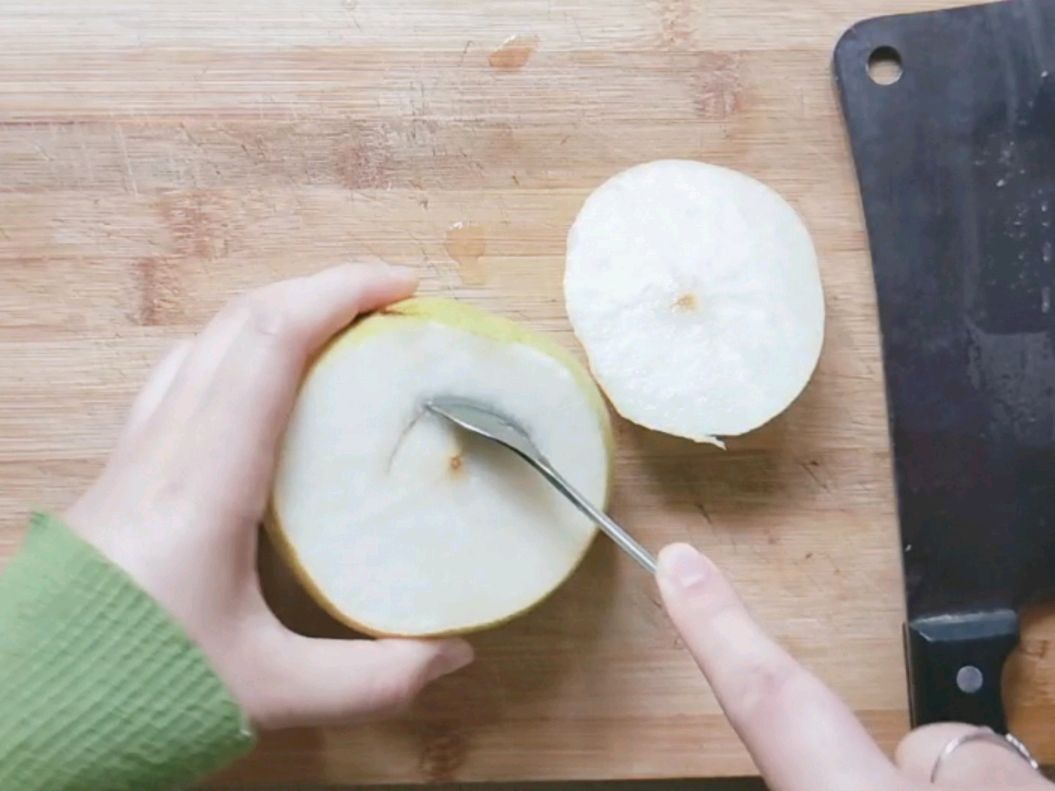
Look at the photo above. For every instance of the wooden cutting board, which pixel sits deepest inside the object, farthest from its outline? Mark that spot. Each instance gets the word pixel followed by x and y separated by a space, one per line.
pixel 158 158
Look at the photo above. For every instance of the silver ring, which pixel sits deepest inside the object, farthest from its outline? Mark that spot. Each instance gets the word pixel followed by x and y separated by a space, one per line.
pixel 1007 741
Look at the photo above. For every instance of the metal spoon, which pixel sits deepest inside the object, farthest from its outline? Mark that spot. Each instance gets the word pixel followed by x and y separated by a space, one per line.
pixel 485 422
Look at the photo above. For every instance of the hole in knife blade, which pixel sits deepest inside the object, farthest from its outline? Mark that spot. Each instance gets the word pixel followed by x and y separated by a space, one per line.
pixel 884 65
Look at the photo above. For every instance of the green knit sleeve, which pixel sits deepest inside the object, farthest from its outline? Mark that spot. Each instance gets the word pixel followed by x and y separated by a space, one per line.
pixel 99 688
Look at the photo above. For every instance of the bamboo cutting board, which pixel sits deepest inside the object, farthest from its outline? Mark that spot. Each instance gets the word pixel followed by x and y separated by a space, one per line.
pixel 158 158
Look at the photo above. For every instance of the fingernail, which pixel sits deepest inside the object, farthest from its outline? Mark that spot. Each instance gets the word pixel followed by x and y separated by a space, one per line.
pixel 683 565
pixel 454 655
pixel 380 267
pixel 405 272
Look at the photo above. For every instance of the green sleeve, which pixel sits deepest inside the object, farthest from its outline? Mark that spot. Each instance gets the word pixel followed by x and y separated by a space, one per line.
pixel 99 688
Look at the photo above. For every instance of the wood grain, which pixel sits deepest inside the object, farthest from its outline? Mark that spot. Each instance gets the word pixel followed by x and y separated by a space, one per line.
pixel 158 158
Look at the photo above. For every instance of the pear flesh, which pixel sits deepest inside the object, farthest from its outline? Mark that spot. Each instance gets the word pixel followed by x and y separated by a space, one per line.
pixel 695 292
pixel 400 524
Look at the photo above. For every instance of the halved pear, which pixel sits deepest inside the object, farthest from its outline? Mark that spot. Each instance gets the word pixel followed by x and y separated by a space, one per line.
pixel 400 524
pixel 695 291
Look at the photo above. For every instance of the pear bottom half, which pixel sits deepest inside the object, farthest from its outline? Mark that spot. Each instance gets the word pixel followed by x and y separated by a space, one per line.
pixel 400 524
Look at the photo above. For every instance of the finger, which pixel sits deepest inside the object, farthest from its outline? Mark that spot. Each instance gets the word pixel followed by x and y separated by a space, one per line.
pixel 262 341
pixel 294 316
pixel 343 681
pixel 800 734
pixel 979 764
pixel 241 377
pixel 154 391
pixel 301 314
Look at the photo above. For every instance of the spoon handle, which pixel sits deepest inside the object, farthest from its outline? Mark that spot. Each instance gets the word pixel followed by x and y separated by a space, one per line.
pixel 625 541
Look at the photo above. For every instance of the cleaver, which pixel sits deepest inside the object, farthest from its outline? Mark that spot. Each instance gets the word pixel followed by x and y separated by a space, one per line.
pixel 951 116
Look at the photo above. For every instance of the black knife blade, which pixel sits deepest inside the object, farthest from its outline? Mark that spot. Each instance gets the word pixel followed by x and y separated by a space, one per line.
pixel 956 163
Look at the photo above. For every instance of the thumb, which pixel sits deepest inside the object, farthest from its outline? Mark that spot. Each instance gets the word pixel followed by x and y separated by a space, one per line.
pixel 342 681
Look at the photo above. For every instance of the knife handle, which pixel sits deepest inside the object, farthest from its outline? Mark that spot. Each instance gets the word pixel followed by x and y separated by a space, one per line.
pixel 955 663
